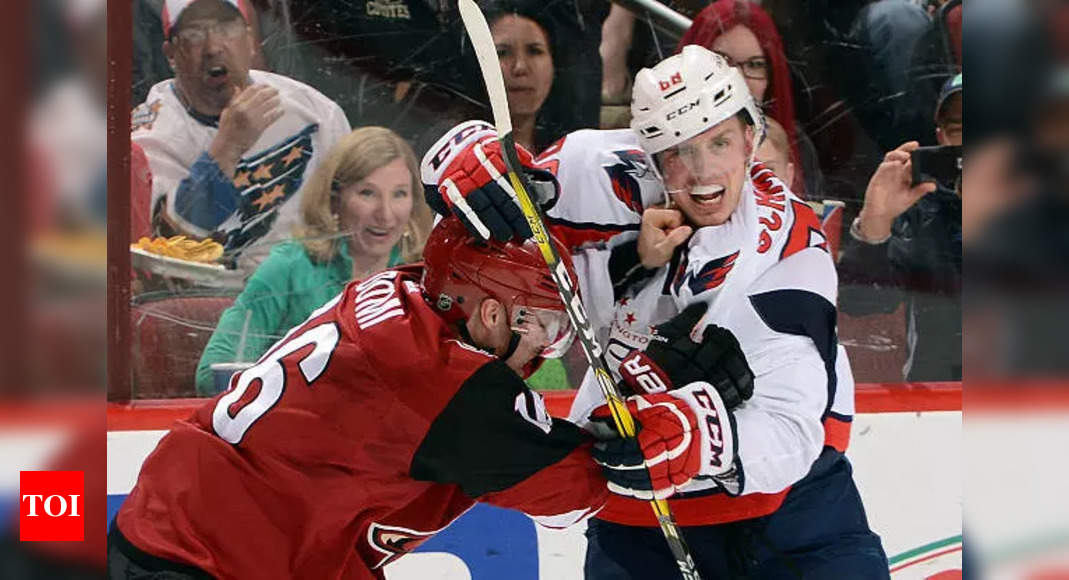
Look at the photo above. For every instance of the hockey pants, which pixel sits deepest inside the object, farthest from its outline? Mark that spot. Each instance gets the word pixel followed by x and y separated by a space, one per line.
pixel 819 532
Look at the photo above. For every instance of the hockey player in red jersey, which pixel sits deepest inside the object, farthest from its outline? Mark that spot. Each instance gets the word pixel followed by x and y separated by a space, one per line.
pixel 372 426
pixel 739 262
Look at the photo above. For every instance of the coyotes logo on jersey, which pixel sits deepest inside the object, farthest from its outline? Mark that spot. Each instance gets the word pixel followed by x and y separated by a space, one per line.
pixel 394 541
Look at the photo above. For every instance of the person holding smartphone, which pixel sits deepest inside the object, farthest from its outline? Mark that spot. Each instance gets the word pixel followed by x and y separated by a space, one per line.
pixel 905 246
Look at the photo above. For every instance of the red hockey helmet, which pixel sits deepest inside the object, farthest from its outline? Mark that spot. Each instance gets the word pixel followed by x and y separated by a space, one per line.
pixel 461 270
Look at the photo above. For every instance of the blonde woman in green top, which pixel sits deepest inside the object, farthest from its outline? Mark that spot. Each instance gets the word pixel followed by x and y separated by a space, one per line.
pixel 362 211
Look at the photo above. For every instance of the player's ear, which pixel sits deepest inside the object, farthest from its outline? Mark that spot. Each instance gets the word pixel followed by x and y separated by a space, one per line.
pixel 789 178
pixel 491 313
pixel 748 138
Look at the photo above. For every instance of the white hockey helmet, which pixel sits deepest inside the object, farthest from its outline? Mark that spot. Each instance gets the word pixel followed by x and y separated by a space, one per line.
pixel 686 94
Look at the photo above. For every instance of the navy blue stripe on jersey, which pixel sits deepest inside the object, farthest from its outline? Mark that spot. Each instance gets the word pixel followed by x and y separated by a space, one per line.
pixel 803 313
pixel 592 226
pixel 625 268
pixel 840 417
pixel 578 234
pixel 483 441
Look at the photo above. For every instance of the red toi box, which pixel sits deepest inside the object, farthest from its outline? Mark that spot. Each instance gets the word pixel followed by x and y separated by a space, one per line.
pixel 51 506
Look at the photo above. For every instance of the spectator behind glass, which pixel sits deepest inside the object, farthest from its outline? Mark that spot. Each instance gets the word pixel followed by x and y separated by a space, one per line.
pixel 775 151
pixel 526 33
pixel 523 48
pixel 905 245
pixel 362 212
pixel 877 82
pixel 744 34
pixel 228 147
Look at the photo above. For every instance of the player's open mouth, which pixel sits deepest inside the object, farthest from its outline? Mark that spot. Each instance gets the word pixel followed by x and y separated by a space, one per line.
pixel 217 71
pixel 707 193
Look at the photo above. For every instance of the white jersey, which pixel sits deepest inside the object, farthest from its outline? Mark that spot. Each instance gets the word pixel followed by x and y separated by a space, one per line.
pixel 260 206
pixel 769 279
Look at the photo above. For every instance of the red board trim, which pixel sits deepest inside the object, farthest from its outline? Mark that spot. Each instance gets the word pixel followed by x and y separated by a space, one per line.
pixel 871 398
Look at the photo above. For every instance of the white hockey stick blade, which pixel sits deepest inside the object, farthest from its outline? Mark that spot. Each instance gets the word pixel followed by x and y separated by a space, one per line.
pixel 482 41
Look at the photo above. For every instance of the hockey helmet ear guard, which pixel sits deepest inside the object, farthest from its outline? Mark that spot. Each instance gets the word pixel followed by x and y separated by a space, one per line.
pixel 460 271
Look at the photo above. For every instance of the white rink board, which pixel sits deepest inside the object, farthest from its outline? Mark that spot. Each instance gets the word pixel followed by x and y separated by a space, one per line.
pixel 907 466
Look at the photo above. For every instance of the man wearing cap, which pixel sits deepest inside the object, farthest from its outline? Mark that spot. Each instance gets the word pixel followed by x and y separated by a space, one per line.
pixel 905 246
pixel 228 146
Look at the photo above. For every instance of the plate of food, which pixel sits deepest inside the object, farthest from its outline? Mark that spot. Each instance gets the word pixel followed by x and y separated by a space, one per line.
pixel 183 258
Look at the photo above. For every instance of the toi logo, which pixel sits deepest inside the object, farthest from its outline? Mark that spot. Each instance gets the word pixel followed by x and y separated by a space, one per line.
pixel 51 506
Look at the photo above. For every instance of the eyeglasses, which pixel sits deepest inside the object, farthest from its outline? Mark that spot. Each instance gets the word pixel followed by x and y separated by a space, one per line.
pixel 752 68
pixel 197 35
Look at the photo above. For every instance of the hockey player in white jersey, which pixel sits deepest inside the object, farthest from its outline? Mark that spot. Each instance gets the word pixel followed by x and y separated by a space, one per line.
pixel 741 259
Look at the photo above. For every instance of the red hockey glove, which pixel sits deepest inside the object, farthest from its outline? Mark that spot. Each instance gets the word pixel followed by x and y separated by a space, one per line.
pixel 682 434
pixel 464 174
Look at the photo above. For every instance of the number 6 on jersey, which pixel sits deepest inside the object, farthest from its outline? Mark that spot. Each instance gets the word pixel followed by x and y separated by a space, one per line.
pixel 231 426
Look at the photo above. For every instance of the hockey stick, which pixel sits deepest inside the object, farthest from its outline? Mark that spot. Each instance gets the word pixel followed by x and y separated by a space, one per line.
pixel 486 52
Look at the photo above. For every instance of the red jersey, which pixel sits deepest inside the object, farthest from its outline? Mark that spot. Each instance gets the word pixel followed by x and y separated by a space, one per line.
pixel 357 436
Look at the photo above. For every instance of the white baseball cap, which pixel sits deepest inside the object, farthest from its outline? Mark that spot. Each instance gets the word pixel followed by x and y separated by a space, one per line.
pixel 172 10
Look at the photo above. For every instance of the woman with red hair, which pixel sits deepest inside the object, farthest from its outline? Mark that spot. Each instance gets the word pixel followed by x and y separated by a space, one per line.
pixel 744 33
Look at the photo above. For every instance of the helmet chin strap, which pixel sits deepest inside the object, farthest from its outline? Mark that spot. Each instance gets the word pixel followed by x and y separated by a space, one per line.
pixel 514 343
pixel 514 339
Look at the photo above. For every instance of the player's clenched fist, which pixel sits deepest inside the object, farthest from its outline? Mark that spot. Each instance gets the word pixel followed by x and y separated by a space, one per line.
pixel 681 434
pixel 661 233
pixel 464 174
pixel 241 123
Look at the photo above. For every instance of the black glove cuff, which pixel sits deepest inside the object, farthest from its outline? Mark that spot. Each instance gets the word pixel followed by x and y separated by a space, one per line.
pixel 625 268
pixel 434 200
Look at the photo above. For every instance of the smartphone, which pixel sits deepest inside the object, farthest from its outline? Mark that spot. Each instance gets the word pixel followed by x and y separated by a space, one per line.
pixel 940 164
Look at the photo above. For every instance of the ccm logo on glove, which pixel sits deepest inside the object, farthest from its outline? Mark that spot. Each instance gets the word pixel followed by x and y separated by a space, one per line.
pixel 712 425
pixel 460 134
pixel 717 430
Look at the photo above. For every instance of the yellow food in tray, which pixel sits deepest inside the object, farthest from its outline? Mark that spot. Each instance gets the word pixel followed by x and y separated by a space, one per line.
pixel 182 248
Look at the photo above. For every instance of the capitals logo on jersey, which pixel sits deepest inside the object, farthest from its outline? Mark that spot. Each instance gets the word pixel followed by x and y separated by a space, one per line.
pixel 624 177
pixel 710 276
pixel 266 180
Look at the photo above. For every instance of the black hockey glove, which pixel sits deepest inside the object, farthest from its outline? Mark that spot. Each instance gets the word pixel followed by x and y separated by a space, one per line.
pixel 674 358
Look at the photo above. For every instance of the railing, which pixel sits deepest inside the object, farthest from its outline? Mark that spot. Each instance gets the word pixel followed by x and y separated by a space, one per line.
pixel 871 398
pixel 663 18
